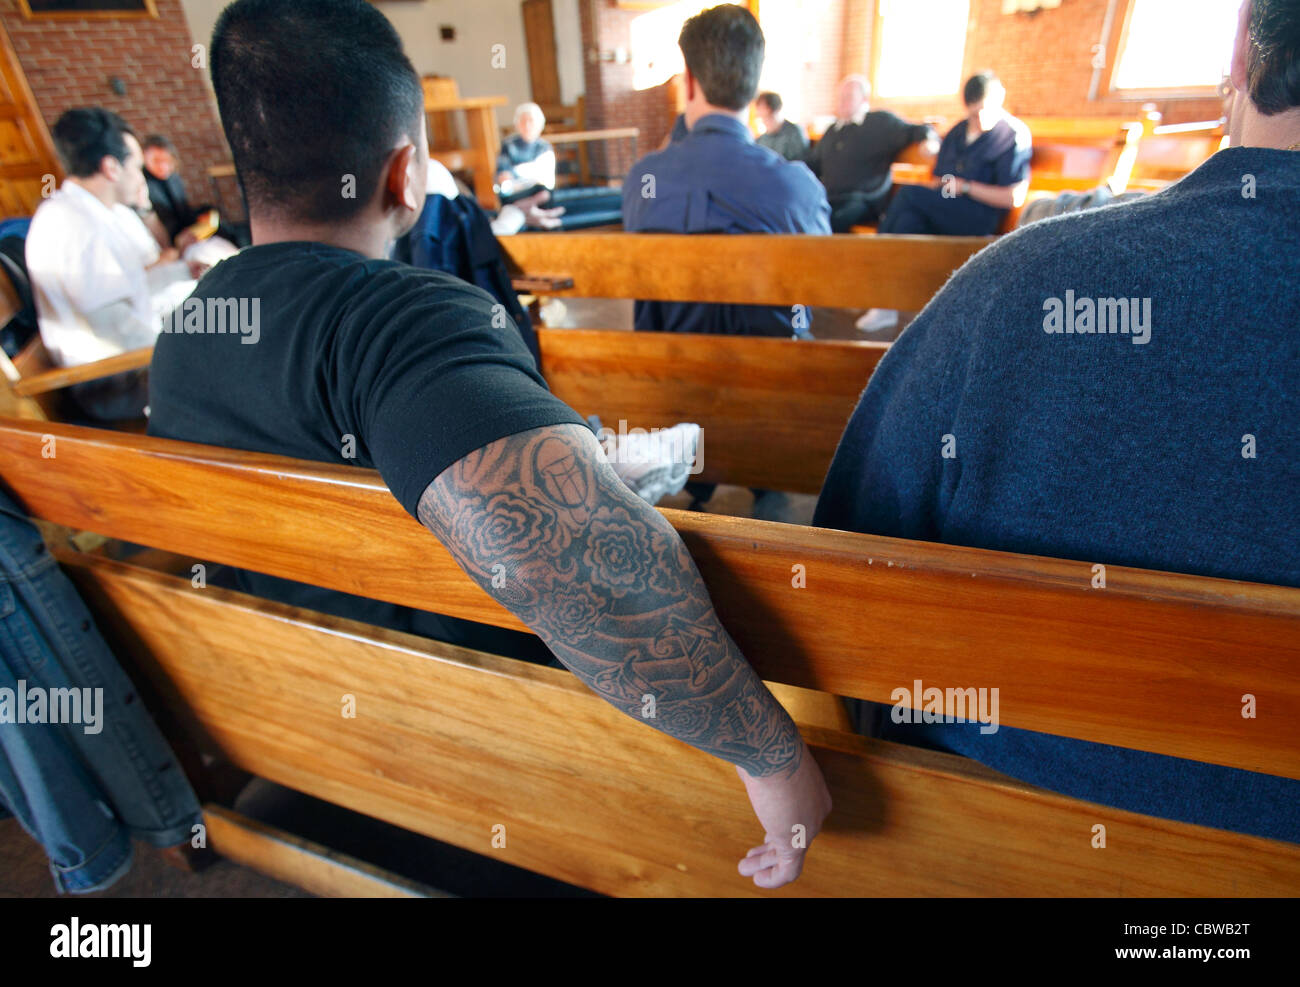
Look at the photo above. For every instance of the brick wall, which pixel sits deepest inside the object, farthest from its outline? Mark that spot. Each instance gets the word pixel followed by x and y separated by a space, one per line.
pixel 611 100
pixel 68 62
pixel 1045 59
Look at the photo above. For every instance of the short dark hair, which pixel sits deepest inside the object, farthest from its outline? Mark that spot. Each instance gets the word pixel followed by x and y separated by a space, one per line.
pixel 160 142
pixel 977 86
pixel 1273 65
pixel 772 101
pixel 723 48
pixel 85 135
pixel 312 91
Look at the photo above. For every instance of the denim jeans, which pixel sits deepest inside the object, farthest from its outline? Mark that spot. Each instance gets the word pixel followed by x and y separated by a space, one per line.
pixel 82 792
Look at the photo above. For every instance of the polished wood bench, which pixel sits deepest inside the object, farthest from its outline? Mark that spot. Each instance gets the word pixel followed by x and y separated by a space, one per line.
pixel 772 410
pixel 452 743
pixel 902 272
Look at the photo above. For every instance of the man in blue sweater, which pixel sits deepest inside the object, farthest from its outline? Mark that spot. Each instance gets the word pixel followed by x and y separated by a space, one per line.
pixel 1119 386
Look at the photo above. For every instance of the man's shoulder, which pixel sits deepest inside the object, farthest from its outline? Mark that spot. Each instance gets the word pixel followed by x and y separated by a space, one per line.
pixel 1024 137
pixel 61 222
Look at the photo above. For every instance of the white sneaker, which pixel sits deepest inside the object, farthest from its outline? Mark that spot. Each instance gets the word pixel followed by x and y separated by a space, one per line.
pixel 655 465
pixel 877 319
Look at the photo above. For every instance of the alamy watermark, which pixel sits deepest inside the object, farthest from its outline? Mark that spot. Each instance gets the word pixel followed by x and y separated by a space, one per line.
pixel 639 446
pixel 1098 317
pixel 41 705
pixel 934 705
pixel 221 316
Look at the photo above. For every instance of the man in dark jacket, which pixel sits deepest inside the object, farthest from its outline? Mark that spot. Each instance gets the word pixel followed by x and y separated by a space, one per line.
pixel 170 203
pixel 853 157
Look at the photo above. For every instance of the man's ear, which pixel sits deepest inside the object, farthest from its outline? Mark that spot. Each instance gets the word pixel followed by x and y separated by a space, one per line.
pixel 1240 58
pixel 690 84
pixel 110 167
pixel 405 185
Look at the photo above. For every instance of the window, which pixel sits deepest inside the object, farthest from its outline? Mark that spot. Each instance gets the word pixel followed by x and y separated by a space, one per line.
pixel 655 55
pixel 1178 45
pixel 920 47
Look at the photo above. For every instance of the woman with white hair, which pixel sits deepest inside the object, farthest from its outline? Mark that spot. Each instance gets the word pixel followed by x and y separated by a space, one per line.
pixel 526 163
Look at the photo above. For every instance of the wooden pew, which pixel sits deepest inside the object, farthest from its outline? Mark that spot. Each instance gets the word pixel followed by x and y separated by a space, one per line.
pixel 902 272
pixel 772 410
pixel 451 743
pixel 1169 152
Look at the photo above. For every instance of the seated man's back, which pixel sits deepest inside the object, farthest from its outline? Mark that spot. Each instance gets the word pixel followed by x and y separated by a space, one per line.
pixel 1117 386
pixel 302 349
pixel 716 179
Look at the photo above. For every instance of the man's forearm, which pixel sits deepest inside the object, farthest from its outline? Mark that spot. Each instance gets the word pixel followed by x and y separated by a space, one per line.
pixel 544 526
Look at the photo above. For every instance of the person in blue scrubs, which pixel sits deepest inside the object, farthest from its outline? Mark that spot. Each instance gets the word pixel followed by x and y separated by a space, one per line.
pixel 980 173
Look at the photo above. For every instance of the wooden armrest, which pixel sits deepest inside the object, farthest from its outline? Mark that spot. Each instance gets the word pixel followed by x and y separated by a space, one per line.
pixel 540 284
pixel 54 380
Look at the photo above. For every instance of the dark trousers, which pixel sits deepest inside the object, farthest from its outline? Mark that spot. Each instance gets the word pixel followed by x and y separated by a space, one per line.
pixel 923 210
pixel 849 209
pixel 121 397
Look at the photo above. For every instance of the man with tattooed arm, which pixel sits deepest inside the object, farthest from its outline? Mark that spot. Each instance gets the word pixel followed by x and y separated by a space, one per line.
pixel 318 99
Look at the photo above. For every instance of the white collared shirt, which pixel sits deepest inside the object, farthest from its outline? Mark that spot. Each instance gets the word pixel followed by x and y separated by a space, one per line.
pixel 858 117
pixel 83 257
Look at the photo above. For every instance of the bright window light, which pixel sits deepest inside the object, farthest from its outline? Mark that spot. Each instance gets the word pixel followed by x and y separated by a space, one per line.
pixel 922 45
pixel 655 55
pixel 1177 44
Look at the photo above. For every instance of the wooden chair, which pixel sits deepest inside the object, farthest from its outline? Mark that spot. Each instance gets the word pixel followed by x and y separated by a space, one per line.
pixel 465 747
pixel 34 383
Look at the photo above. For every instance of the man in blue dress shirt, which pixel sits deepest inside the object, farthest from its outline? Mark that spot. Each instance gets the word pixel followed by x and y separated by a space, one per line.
pixel 716 179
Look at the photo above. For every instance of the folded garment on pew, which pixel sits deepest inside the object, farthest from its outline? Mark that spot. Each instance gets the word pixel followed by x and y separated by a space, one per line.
pixel 653 463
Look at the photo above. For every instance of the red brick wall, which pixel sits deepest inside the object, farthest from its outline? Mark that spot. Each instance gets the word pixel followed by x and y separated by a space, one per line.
pixel 1045 59
pixel 68 62
pixel 611 100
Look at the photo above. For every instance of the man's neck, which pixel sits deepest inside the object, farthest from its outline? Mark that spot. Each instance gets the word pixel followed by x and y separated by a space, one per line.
pixel 857 116
pixel 97 187
pixel 1280 131
pixel 369 241
pixel 697 110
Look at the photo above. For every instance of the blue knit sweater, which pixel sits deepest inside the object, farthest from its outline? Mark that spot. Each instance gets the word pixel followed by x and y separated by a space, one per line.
pixel 1171 441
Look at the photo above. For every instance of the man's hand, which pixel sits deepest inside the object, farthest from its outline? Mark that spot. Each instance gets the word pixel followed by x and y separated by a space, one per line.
pixel 185 238
pixel 198 268
pixel 537 217
pixel 792 809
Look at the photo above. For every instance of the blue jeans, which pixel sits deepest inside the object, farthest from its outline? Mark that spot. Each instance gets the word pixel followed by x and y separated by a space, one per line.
pixel 82 792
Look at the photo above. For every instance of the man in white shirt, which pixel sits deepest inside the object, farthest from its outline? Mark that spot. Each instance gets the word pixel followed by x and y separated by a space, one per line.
pixel 100 281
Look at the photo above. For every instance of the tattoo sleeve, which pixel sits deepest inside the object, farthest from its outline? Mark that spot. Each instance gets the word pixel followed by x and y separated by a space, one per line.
pixel 544 525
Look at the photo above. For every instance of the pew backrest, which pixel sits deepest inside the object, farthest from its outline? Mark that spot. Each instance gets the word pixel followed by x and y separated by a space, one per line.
pixel 1154 661
pixel 902 272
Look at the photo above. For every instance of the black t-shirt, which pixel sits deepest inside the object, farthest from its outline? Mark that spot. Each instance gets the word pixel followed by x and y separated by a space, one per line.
pixel 338 358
